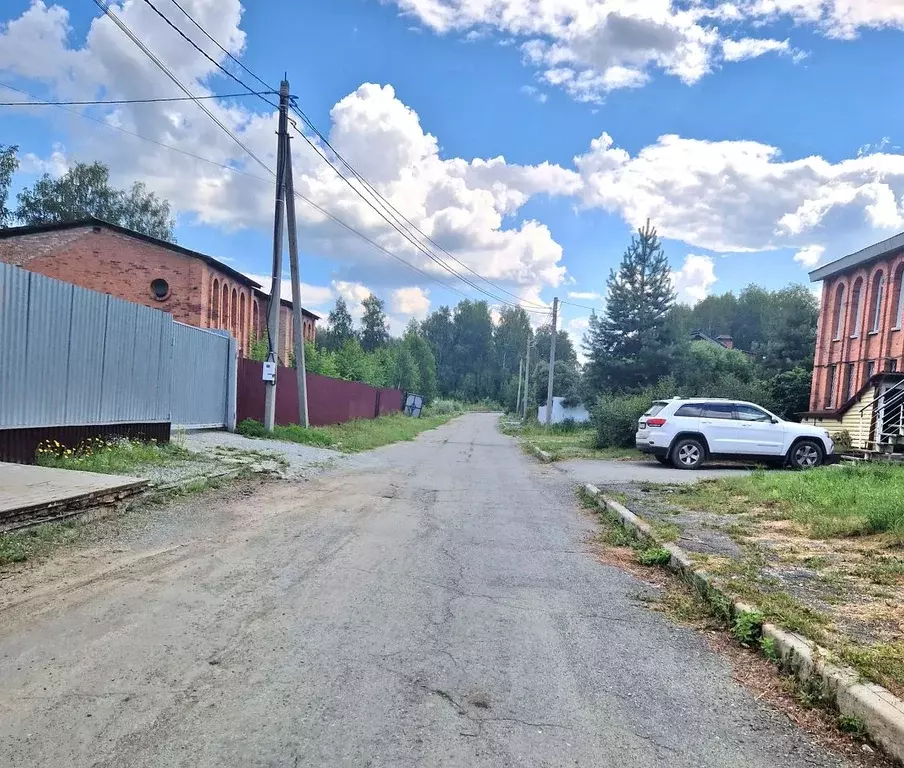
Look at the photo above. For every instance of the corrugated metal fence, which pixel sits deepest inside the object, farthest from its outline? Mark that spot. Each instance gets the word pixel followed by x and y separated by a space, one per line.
pixel 204 378
pixel 73 357
pixel 330 401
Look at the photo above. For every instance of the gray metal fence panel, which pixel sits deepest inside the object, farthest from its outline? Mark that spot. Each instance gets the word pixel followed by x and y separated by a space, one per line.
pixel 13 331
pixel 87 339
pixel 72 357
pixel 202 364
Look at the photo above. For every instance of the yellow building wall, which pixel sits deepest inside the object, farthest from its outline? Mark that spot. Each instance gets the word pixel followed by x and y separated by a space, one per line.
pixel 851 421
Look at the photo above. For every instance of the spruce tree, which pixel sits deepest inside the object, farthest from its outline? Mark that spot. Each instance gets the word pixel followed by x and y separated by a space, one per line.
pixel 626 347
pixel 374 330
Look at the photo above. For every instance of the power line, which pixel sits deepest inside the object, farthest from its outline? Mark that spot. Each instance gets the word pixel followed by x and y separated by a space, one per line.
pixel 298 195
pixel 160 65
pixel 386 204
pixel 402 231
pixel 41 103
pixel 580 306
pixel 396 225
pixel 204 53
pixel 124 27
pixel 217 44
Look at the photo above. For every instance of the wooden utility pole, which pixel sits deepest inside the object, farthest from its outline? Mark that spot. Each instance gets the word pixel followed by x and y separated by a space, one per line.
pixel 552 360
pixel 285 203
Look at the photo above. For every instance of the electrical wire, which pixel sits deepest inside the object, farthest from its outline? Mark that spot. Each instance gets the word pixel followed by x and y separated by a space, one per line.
pixel 41 103
pixel 364 182
pixel 204 53
pixel 396 224
pixel 580 306
pixel 124 27
pixel 239 171
pixel 217 44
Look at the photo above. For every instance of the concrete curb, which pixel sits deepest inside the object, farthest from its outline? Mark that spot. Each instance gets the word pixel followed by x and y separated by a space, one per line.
pixel 881 711
pixel 542 455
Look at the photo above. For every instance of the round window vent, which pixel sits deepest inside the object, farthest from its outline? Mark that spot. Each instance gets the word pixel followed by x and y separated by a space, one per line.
pixel 160 289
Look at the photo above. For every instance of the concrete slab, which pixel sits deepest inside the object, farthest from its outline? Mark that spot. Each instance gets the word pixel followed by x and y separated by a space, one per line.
pixel 30 494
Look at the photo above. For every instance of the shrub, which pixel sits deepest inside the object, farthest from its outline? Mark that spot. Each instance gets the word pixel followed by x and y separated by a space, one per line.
pixel 614 417
pixel 843 441
pixel 444 407
pixel 747 627
pixel 251 428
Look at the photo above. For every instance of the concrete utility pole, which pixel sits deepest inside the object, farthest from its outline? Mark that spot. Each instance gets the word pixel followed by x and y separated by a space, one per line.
pixel 526 379
pixel 285 202
pixel 520 371
pixel 276 270
pixel 552 360
pixel 297 318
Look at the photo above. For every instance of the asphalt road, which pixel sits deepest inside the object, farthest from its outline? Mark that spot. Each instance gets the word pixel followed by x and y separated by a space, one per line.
pixel 433 606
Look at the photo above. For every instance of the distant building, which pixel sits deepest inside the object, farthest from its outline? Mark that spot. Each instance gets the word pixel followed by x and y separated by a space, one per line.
pixel 194 288
pixel 724 340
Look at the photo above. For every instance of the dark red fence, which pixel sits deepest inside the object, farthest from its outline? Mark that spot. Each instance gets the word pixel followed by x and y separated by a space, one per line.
pixel 330 401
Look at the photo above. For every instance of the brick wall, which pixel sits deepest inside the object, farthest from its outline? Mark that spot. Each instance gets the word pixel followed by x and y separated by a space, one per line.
pixel 841 343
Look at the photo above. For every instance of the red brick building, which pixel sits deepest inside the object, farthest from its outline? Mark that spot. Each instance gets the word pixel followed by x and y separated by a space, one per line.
pixel 860 321
pixel 193 287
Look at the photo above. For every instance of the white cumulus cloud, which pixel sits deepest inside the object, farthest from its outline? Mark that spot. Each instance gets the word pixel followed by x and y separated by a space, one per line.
pixel 750 48
pixel 696 276
pixel 411 302
pixel 809 256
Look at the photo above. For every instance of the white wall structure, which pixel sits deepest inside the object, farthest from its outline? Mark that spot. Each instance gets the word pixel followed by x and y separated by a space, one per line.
pixel 559 412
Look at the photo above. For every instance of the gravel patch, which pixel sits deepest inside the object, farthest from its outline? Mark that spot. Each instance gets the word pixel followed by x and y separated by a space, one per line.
pixel 295 461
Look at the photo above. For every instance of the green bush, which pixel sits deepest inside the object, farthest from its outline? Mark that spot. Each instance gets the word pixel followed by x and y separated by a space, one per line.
pixel 251 428
pixel 444 407
pixel 614 417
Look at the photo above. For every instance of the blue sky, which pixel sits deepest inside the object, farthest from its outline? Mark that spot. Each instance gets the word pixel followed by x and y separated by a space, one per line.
pixel 759 142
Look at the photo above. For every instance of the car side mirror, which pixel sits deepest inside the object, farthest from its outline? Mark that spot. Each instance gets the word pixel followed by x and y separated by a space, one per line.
pixel 775 420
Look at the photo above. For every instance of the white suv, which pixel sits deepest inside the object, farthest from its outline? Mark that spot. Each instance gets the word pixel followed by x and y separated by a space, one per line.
pixel 685 432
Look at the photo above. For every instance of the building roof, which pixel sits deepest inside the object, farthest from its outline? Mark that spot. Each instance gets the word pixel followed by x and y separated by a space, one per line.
pixel 845 263
pixel 92 221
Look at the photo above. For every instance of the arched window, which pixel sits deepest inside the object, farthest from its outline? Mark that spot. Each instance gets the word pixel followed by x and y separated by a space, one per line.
pixel 233 325
pixel 856 308
pixel 224 313
pixel 243 337
pixel 254 321
pixel 898 296
pixel 838 327
pixel 878 294
pixel 214 316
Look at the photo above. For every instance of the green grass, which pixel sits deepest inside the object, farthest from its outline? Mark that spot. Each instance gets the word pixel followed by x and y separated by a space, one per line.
pixel 114 457
pixel 353 436
pixel 829 502
pixel 565 442
pixel 20 546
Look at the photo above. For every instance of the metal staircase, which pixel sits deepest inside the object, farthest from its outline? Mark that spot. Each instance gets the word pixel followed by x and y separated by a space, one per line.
pixel 883 428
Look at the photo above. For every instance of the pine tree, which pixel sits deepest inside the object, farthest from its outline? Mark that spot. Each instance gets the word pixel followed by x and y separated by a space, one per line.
pixel 625 347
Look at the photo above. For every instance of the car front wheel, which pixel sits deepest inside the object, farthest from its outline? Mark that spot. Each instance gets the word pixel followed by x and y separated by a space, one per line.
pixel 807 454
pixel 688 453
